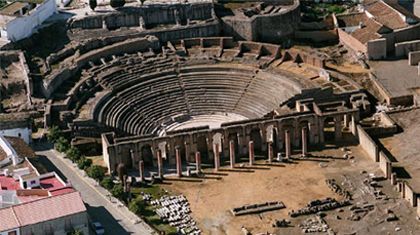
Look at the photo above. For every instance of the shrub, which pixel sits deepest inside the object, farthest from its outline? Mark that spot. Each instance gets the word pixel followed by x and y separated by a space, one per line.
pixel 74 154
pixel 62 144
pixel 137 206
pixel 75 232
pixel 96 172
pixel 54 133
pixel 84 163
pixel 117 3
pixel 107 183
pixel 118 191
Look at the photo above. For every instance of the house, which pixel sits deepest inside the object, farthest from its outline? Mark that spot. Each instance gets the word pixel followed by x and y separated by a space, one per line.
pixel 19 19
pixel 376 28
pixel 16 125
pixel 56 215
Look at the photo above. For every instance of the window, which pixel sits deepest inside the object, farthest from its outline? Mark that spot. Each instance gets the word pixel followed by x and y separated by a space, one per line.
pixel 33 182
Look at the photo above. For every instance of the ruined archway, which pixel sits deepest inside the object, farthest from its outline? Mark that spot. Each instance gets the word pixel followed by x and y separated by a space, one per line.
pixel 147 155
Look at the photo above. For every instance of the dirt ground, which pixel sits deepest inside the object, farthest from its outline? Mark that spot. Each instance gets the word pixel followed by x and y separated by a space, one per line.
pixel 295 184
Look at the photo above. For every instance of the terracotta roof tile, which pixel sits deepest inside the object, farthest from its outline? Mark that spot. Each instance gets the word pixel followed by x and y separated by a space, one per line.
pixel 8 220
pixel 49 208
pixel 385 14
pixel 44 209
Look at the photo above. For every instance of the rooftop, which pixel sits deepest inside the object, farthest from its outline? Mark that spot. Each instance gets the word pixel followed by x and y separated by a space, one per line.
pixel 13 8
pixel 35 211
pixel 388 15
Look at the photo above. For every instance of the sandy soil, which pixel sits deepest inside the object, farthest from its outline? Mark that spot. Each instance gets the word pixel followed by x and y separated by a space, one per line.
pixel 294 184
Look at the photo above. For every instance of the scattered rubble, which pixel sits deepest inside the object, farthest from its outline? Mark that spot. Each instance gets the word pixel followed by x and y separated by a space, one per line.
pixel 281 223
pixel 314 224
pixel 319 205
pixel 176 211
pixel 332 184
pixel 257 208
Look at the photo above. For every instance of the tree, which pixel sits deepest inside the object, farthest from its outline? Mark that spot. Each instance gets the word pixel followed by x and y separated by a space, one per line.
pixel 75 232
pixel 118 191
pixel 107 183
pixel 117 3
pixel 74 154
pixel 62 144
pixel 96 172
pixel 54 133
pixel 93 4
pixel 84 163
pixel 137 206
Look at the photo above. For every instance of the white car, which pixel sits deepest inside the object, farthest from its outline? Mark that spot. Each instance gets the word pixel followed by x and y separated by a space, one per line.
pixel 98 228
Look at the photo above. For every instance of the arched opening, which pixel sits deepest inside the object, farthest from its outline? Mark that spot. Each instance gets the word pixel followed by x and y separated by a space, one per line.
pixel 202 148
pixel 147 155
pixel 329 129
pixel 217 139
pixel 256 137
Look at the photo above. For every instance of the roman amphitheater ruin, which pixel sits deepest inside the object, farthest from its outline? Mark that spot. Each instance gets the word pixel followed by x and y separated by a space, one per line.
pixel 173 88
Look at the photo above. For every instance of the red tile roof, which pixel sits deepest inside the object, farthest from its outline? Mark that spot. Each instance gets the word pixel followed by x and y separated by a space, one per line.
pixel 385 14
pixel 51 183
pixel 41 210
pixel 8 183
pixel 8 219
pixel 62 191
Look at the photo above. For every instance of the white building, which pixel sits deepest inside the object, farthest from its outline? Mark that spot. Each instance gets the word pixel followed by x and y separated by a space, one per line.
pixel 16 125
pixel 19 19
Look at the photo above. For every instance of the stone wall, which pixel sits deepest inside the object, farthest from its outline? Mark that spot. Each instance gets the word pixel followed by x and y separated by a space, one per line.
pixel 409 194
pixel 317 35
pixel 149 15
pixel 129 46
pixel 403 48
pixel 385 165
pixel 273 27
pixel 413 57
pixel 376 49
pixel 368 145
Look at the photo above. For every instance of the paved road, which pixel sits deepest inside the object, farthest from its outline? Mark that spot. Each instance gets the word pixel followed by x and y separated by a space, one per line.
pixel 99 208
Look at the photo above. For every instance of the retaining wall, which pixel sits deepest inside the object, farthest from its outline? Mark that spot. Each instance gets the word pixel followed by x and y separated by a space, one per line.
pixel 376 49
pixel 368 144
pixel 151 14
pixel 403 48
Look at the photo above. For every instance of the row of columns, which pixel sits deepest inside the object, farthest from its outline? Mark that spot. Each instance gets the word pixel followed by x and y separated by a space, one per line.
pixel 232 154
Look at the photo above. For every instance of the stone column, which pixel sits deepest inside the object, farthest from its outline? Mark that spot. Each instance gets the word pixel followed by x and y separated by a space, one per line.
pixel 132 158
pixel 353 125
pixel 321 131
pixel 232 153
pixel 270 152
pixel 216 158
pixel 160 163
pixel 198 162
pixel 346 120
pixel 304 142
pixel 141 170
pixel 338 133
pixel 287 143
pixel 178 162
pixel 187 152
pixel 251 153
